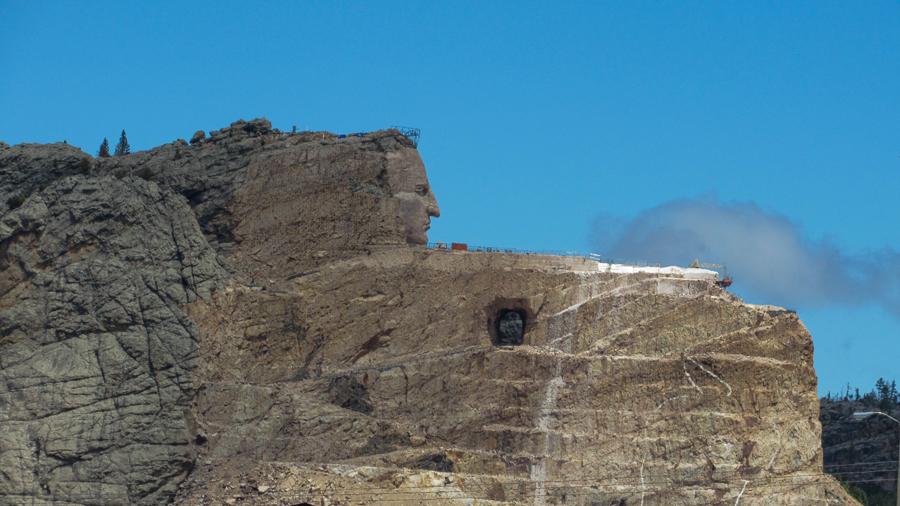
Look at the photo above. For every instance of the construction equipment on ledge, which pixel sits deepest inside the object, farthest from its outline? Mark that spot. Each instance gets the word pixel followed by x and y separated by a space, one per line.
pixel 410 133
pixel 724 280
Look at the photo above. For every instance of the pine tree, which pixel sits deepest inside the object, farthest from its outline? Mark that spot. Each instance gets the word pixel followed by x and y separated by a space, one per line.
pixel 104 149
pixel 122 148
pixel 882 389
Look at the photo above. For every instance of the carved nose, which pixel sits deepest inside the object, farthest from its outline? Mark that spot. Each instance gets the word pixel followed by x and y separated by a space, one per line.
pixel 434 211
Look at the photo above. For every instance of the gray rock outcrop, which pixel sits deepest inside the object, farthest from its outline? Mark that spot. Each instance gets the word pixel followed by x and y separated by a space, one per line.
pixel 28 168
pixel 95 349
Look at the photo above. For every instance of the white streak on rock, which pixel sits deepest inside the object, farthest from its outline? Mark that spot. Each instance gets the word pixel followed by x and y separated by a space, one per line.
pixel 707 371
pixel 736 501
pixel 548 405
pixel 642 483
pixel 690 379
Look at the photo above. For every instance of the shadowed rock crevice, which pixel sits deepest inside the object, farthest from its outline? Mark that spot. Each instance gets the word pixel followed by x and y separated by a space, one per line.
pixel 349 393
pixel 433 462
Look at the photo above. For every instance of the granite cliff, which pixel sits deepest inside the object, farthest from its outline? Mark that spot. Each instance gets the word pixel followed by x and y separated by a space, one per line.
pixel 253 318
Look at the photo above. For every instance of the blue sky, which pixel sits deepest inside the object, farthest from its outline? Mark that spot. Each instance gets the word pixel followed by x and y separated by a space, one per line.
pixel 536 118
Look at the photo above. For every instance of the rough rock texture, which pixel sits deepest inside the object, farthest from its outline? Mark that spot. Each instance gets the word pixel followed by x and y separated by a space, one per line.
pixel 254 312
pixel 96 348
pixel 293 201
pixel 620 376
pixel 31 167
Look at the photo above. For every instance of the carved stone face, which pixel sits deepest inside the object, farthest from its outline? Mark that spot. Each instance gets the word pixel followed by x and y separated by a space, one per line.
pixel 409 185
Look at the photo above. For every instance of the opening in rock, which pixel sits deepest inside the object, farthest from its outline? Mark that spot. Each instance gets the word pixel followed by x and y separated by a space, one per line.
pixel 348 393
pixel 433 462
pixel 510 327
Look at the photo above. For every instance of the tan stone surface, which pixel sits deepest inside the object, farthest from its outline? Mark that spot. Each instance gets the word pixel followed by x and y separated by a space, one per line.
pixel 387 361
pixel 372 375
pixel 333 359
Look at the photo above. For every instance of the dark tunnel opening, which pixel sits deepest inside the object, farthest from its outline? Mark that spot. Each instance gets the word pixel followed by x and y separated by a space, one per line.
pixel 510 327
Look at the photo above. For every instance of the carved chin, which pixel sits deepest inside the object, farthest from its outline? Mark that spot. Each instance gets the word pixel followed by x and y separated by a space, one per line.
pixel 416 237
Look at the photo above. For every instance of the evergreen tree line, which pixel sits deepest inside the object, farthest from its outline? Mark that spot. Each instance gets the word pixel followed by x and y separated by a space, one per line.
pixel 122 148
pixel 884 396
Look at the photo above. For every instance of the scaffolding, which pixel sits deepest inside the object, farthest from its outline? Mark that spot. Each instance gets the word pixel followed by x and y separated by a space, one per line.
pixel 725 281
pixel 410 133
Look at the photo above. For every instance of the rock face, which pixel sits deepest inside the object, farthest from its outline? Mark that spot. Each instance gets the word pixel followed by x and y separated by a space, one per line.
pixel 96 348
pixel 293 202
pixel 619 376
pixel 251 318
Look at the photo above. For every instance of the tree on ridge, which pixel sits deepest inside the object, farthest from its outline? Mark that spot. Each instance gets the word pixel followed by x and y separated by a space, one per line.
pixel 103 152
pixel 122 148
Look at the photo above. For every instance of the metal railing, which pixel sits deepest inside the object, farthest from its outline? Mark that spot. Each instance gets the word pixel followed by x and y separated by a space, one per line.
pixel 410 133
pixel 441 246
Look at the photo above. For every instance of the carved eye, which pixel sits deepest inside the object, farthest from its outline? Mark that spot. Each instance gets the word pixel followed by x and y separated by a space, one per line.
pixel 422 189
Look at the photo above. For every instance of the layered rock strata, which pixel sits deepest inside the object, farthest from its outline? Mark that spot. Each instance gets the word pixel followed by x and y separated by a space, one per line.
pixel 252 319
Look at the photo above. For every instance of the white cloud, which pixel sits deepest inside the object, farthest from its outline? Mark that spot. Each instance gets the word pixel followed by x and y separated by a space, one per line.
pixel 767 254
